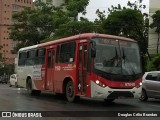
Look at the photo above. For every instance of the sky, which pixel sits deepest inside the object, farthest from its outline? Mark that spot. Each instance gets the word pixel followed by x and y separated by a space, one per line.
pixel 105 4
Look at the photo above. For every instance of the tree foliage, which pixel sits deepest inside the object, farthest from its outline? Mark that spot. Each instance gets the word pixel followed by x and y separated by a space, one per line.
pixel 46 22
pixel 124 23
pixel 74 7
pixel 127 21
pixel 74 27
pixel 32 26
pixel 156 24
pixel 154 64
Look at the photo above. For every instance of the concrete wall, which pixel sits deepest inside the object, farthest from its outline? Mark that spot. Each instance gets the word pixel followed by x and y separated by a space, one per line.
pixel 154 5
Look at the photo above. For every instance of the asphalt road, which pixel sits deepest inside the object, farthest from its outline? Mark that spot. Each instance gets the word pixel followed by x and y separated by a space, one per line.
pixel 17 99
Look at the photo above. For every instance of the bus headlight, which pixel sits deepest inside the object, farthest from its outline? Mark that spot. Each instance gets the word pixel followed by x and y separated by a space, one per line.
pixel 139 85
pixel 101 84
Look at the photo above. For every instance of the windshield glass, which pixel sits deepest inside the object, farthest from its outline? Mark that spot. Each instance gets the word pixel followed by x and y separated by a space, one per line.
pixel 117 56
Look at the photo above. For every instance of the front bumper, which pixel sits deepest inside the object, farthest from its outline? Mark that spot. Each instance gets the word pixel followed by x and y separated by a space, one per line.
pixel 105 93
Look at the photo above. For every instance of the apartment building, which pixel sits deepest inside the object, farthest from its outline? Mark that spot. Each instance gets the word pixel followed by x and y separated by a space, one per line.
pixel 154 5
pixel 7 8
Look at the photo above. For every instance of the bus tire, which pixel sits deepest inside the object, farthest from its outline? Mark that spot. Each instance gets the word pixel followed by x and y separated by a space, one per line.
pixel 30 90
pixel 37 92
pixel 143 96
pixel 109 100
pixel 70 93
pixel 29 87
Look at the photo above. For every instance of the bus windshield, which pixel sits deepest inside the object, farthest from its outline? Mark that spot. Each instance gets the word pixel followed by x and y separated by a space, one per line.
pixel 115 56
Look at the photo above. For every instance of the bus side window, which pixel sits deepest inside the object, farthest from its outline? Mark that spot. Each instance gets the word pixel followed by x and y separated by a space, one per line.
pixel 67 52
pixel 22 58
pixel 30 57
pixel 40 56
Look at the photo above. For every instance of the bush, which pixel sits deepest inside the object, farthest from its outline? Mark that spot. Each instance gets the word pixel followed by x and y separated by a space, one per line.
pixel 154 64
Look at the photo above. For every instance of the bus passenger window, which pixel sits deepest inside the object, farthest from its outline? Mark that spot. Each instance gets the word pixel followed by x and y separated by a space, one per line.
pixel 40 56
pixel 22 58
pixel 30 58
pixel 67 52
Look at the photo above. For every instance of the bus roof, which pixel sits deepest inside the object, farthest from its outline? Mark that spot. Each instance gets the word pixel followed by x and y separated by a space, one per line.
pixel 29 47
pixel 79 36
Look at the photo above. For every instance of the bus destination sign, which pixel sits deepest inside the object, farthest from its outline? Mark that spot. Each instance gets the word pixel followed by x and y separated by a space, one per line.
pixel 113 42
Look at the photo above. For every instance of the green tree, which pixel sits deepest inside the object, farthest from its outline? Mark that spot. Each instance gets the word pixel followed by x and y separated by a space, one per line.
pixel 47 22
pixel 74 7
pixel 74 27
pixel 156 24
pixel 128 22
pixel 34 25
pixel 154 64
pixel 125 23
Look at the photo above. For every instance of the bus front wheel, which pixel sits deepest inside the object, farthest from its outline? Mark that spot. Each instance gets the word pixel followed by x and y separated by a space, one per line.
pixel 109 100
pixel 70 93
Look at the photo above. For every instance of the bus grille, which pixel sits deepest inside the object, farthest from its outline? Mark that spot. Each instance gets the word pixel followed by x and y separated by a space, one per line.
pixel 117 94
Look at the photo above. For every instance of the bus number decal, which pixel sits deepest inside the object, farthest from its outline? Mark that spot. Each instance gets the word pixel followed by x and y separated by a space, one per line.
pixel 130 84
pixel 57 68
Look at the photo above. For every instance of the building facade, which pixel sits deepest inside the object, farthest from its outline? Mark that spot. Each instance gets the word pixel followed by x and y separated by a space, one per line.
pixel 7 9
pixel 154 5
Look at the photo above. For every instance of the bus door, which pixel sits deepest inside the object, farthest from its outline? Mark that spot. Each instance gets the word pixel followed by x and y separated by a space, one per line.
pixel 82 67
pixel 49 83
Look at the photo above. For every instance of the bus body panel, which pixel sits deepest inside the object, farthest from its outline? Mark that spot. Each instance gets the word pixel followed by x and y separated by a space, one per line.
pixel 61 73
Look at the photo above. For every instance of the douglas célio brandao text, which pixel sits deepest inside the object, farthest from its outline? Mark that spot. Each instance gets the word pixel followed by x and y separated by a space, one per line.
pixel 137 114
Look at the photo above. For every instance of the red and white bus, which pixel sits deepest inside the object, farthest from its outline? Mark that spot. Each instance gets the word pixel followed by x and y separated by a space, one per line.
pixel 90 65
